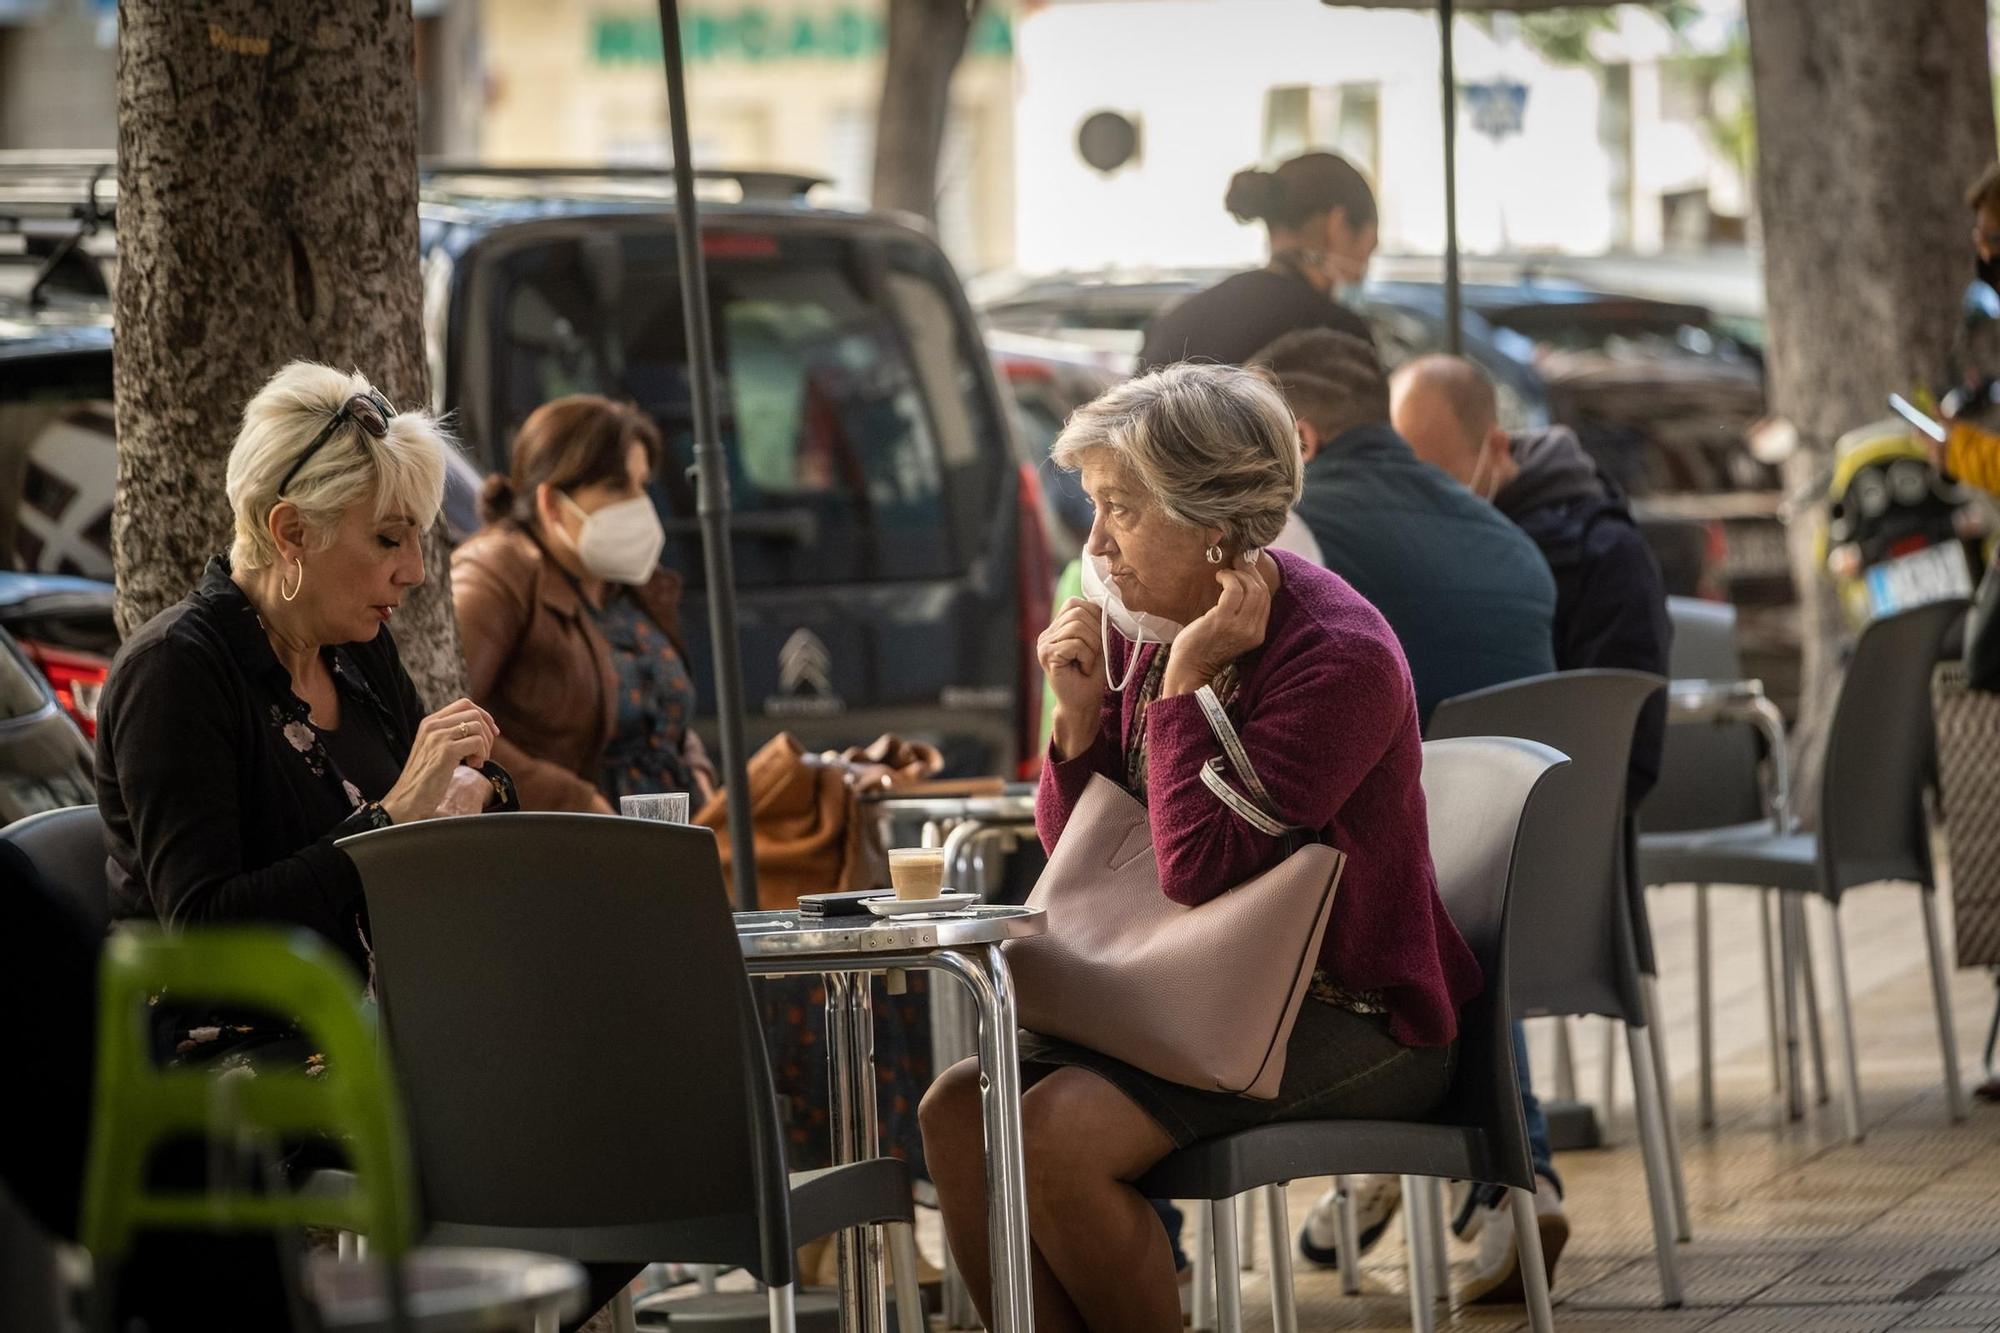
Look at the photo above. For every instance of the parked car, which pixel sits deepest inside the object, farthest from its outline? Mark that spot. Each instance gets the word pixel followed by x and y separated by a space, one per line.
pixel 1047 380
pixel 45 763
pixel 63 625
pixel 1109 314
pixel 890 559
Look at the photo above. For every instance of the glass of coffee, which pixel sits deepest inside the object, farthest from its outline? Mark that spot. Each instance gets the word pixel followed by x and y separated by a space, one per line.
pixel 917 872
pixel 669 807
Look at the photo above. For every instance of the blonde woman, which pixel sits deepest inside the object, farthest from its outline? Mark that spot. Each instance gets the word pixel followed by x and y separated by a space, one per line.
pixel 265 715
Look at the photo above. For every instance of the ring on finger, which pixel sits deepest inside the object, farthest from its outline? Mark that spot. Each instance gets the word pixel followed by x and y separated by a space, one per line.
pixel 464 730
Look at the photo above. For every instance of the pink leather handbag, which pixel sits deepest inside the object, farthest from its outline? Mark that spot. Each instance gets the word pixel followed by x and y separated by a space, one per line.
pixel 1204 996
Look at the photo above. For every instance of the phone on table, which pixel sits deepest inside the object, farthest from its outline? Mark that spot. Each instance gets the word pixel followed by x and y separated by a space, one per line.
pixel 820 906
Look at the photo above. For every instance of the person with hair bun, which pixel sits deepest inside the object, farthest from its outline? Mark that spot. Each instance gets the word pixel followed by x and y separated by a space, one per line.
pixel 570 627
pixel 1321 215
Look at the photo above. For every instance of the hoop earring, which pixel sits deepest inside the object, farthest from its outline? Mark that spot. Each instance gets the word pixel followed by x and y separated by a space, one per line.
pixel 293 594
pixel 1214 554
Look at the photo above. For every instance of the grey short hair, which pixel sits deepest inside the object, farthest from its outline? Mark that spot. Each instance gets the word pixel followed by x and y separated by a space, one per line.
pixel 1215 447
pixel 404 470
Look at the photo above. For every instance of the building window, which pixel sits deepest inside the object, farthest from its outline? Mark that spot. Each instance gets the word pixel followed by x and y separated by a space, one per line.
pixel 1344 118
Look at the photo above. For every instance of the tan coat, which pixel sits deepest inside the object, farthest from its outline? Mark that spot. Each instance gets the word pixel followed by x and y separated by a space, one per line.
pixel 537 661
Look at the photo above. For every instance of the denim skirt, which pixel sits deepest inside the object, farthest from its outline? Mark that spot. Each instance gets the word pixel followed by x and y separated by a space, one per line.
pixel 1340 1065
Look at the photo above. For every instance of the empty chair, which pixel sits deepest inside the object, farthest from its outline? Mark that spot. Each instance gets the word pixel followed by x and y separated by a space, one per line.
pixel 565 1002
pixel 1880 750
pixel 1712 776
pixel 1573 914
pixel 1477 791
pixel 64 849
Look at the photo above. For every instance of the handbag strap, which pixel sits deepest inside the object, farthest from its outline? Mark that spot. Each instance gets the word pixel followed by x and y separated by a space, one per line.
pixel 1258 814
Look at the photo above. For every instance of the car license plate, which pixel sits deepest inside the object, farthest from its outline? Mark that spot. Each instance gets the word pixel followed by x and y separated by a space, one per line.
pixel 1930 575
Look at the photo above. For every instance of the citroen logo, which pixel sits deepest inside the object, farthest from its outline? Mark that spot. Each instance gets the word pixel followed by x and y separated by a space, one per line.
pixel 804 665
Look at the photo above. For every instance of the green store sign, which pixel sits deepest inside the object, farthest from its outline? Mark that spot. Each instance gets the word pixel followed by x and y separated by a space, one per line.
pixel 760 35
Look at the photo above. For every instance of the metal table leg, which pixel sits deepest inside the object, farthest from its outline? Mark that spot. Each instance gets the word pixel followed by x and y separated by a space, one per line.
pixel 850 1025
pixel 984 970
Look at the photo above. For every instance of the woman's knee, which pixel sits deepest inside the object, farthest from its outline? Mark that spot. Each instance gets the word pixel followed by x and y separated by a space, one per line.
pixel 1078 1129
pixel 950 1114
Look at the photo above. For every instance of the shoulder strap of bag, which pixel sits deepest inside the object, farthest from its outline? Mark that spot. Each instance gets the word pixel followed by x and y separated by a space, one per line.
pixel 1258 814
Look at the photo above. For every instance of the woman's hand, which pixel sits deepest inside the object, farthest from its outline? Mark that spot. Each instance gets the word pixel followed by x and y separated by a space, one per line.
pixel 1071 653
pixel 460 733
pixel 1232 627
pixel 466 792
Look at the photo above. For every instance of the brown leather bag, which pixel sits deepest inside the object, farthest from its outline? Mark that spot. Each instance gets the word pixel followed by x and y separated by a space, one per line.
pixel 1203 996
pixel 812 833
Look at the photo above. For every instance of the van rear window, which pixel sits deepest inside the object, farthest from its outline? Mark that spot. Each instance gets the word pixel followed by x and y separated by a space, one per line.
pixel 862 446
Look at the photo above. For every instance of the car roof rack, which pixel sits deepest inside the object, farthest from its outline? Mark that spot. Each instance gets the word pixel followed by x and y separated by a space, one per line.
pixel 755 183
pixel 57 201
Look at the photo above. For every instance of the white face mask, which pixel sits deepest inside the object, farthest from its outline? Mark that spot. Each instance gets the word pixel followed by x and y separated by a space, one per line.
pixel 1137 626
pixel 621 542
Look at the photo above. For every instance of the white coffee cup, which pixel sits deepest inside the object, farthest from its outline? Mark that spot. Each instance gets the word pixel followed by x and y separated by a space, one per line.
pixel 669 807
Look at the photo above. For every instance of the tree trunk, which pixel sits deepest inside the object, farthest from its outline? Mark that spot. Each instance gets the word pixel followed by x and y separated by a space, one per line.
pixel 1872 119
pixel 926 39
pixel 267 211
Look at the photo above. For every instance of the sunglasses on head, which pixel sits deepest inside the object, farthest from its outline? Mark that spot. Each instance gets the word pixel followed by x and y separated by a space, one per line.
pixel 370 411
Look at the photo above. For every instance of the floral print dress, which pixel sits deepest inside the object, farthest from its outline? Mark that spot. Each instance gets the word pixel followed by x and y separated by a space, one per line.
pixel 655 703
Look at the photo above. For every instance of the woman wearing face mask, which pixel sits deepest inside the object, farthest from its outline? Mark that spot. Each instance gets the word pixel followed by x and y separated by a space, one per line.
pixel 571 629
pixel 1192 470
pixel 1321 216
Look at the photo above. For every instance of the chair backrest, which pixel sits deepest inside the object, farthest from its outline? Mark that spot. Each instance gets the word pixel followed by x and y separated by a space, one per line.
pixel 64 849
pixel 565 1000
pixel 1572 912
pixel 138 1106
pixel 1881 750
pixel 1478 792
pixel 1709 770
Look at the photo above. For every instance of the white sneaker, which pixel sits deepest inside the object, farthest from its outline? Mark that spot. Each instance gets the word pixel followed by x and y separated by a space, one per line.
pixel 1376 1199
pixel 1496 1277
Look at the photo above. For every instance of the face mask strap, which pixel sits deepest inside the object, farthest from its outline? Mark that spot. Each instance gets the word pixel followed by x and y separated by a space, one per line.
pixel 1104 645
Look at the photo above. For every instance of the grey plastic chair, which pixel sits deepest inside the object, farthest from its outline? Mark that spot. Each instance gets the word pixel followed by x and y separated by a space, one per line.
pixel 1873 828
pixel 1477 792
pixel 1712 777
pixel 1573 912
pixel 566 1005
pixel 65 849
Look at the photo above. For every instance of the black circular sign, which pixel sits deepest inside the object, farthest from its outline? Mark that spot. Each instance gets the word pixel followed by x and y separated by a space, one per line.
pixel 1107 140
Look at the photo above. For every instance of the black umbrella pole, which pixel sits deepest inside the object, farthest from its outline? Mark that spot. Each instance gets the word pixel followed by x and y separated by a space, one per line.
pixel 711 474
pixel 1454 332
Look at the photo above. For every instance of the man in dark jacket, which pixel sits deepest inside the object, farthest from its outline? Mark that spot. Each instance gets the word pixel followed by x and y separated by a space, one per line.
pixel 1611 604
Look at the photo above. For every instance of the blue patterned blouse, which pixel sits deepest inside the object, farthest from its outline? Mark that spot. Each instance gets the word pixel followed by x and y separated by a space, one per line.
pixel 655 703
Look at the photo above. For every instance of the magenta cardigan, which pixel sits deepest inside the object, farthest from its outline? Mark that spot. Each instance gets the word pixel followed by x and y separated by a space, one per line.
pixel 1329 718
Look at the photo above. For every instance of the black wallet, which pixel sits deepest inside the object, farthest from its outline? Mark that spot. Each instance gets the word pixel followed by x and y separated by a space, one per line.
pixel 819 906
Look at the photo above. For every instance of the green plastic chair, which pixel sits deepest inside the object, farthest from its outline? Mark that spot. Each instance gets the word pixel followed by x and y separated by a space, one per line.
pixel 139 1105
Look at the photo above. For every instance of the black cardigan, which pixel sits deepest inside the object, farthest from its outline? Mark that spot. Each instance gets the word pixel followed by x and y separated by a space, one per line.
pixel 219 802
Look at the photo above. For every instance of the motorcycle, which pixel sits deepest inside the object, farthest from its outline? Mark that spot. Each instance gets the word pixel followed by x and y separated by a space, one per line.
pixel 1900 532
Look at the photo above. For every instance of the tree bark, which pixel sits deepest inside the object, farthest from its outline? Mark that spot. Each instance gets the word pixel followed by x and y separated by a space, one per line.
pixel 1872 119
pixel 267 211
pixel 926 40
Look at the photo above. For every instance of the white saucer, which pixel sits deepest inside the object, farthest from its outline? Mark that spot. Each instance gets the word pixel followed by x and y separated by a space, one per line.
pixel 944 902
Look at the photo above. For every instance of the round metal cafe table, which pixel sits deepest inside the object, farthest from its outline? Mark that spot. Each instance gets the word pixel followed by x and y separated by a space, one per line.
pixel 967 945
pixel 451 1290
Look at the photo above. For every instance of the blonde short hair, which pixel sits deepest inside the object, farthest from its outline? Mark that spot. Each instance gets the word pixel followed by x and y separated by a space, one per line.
pixel 1214 446
pixel 404 470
